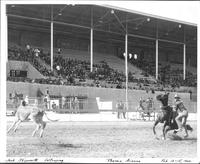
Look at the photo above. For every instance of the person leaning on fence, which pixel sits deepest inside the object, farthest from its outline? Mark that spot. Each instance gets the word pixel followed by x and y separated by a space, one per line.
pixel 63 102
pixel 149 102
pixel 76 105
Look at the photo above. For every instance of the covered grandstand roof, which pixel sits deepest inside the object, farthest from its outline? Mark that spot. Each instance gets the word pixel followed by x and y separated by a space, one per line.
pixel 103 19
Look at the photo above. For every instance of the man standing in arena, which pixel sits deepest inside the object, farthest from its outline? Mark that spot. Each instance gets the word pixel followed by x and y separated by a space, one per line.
pixel 47 91
pixel 120 109
pixel 181 119
pixel 45 101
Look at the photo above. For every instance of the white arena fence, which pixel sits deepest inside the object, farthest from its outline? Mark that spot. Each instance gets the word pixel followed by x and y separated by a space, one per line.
pixel 57 105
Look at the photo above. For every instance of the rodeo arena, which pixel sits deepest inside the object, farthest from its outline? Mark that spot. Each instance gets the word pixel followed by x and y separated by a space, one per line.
pixel 102 82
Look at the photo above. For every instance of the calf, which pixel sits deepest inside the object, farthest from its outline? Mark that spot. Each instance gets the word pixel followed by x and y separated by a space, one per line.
pixel 23 113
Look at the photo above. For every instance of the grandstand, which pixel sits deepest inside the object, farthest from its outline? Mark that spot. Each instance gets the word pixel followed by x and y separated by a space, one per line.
pixel 69 73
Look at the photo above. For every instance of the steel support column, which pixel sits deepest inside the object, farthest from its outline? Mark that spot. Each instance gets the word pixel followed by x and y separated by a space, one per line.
pixel 184 61
pixel 52 46
pixel 126 69
pixel 52 38
pixel 91 41
pixel 184 54
pixel 156 59
pixel 91 50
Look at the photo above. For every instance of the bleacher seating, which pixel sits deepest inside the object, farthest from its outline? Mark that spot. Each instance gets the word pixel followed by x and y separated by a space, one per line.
pixel 74 69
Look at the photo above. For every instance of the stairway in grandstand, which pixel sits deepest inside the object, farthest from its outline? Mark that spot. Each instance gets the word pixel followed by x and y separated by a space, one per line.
pixel 48 67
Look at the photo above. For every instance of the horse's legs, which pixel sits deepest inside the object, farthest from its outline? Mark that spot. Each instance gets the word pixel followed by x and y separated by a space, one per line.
pixel 165 124
pixel 186 132
pixel 14 123
pixel 154 126
pixel 43 125
pixel 17 124
pixel 36 129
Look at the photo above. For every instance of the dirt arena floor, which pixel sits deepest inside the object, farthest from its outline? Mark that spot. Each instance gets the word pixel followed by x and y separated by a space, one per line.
pixel 100 140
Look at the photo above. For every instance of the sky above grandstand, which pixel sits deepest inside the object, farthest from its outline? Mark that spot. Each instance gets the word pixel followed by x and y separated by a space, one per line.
pixel 187 11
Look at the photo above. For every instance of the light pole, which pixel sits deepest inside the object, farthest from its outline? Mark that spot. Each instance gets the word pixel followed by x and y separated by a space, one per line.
pixel 127 56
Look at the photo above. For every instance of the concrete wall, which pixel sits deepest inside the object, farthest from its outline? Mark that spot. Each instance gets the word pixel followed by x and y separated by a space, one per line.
pixel 105 94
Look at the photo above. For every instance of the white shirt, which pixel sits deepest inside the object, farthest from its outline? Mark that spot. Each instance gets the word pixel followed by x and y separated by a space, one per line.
pixel 58 67
pixel 28 47
pixel 26 100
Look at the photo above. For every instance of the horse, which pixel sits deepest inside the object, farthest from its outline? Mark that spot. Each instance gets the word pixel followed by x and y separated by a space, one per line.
pixel 165 115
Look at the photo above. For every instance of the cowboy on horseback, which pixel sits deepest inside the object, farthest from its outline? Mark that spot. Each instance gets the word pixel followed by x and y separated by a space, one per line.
pixel 165 108
pixel 181 119
pixel 165 114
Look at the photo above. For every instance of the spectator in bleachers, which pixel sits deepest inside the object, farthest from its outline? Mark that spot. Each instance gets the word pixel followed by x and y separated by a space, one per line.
pixel 58 69
pixel 28 48
pixel 36 52
pixel 59 50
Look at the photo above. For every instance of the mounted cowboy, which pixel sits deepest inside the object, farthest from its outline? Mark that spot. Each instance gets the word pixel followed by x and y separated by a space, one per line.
pixel 165 114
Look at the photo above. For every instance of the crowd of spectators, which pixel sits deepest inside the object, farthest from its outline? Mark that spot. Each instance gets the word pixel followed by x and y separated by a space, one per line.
pixel 31 55
pixel 174 77
pixel 77 72
pixel 167 75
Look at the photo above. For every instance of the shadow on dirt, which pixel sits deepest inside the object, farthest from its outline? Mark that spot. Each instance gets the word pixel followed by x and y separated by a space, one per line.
pixel 63 145
pixel 179 138
pixel 191 139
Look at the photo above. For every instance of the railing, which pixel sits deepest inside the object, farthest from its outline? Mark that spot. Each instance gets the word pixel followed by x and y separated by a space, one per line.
pixel 42 62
